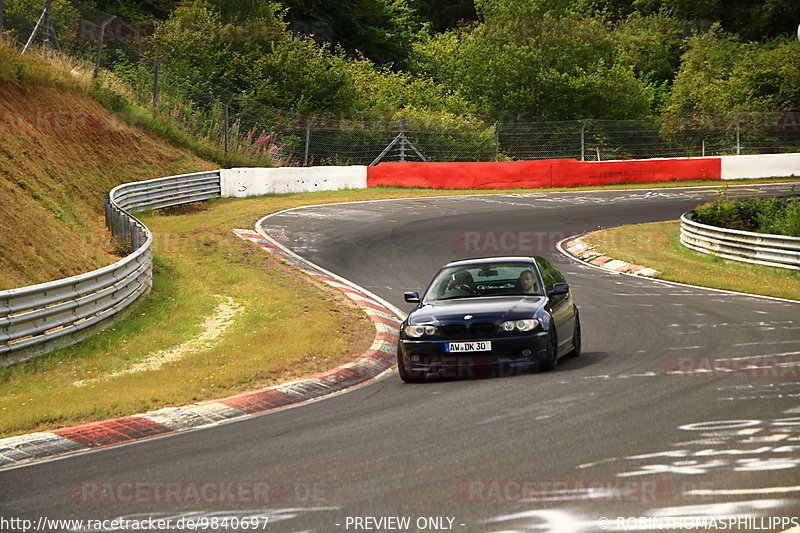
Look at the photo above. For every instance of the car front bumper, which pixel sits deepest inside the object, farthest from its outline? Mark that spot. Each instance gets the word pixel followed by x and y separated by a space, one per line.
pixel 428 356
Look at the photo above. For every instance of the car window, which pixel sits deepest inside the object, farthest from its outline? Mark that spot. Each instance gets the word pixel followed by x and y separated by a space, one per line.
pixel 549 273
pixel 469 281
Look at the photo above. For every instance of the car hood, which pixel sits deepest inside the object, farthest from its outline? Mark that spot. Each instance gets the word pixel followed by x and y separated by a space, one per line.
pixel 482 309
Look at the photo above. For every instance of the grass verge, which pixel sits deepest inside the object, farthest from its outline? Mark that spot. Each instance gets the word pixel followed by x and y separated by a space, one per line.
pixel 657 245
pixel 290 326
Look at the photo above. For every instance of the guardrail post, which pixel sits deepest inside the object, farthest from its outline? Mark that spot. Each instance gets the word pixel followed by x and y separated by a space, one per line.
pixel 106 208
pixel 115 220
pixel 136 238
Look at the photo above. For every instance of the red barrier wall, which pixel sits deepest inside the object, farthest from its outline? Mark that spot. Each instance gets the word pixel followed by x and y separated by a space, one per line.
pixel 542 173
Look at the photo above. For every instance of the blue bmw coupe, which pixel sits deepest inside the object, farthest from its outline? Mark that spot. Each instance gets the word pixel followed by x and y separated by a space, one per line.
pixel 479 315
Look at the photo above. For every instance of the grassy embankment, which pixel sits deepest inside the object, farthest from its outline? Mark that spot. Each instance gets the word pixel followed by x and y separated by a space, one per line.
pixel 60 151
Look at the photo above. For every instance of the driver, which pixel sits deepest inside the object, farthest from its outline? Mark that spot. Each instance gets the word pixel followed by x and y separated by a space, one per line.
pixel 526 282
pixel 463 280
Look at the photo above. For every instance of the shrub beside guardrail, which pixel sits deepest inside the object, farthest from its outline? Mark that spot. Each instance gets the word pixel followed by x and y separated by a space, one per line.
pixel 39 318
pixel 760 248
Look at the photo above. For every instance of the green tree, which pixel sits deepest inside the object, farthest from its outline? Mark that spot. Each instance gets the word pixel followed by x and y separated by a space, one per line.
pixel 446 14
pixel 650 44
pixel 213 56
pixel 382 30
pixel 754 20
pixel 535 60
pixel 720 73
pixel 139 11
pixel 275 69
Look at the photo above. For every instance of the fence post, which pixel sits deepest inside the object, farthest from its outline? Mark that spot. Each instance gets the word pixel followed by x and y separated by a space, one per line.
pixel 704 147
pixel 403 140
pixel 583 140
pixel 738 147
pixel 35 30
pixel 309 120
pixel 227 105
pixel 155 80
pixel 497 141
pixel 46 28
pixel 100 45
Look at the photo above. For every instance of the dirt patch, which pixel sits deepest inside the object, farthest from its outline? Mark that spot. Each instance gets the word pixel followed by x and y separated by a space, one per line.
pixel 212 329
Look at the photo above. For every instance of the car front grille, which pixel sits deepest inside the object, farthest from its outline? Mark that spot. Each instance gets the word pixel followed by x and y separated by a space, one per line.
pixel 460 331
pixel 479 329
pixel 454 330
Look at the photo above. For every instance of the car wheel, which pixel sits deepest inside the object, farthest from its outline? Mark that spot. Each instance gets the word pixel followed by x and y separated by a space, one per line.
pixel 551 356
pixel 576 338
pixel 406 374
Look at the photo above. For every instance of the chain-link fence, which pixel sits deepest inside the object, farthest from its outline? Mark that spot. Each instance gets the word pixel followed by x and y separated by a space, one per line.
pixel 238 124
pixel 317 141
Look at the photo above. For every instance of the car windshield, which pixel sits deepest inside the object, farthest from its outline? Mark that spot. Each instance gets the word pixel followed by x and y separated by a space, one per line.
pixel 486 279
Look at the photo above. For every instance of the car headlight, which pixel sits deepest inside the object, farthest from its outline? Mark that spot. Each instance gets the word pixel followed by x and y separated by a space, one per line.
pixel 419 331
pixel 519 325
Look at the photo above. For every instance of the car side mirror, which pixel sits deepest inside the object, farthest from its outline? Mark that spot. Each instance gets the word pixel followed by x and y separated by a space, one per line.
pixel 411 297
pixel 559 288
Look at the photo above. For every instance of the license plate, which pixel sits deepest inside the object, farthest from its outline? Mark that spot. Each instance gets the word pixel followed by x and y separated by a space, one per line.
pixel 477 346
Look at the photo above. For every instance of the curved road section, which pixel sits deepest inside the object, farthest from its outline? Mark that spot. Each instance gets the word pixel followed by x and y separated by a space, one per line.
pixel 684 408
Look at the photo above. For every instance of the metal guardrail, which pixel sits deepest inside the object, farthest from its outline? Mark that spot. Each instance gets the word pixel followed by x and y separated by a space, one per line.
pixel 760 248
pixel 41 317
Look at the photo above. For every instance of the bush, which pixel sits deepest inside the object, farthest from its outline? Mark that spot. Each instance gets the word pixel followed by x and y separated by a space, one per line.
pixel 780 216
pixel 782 220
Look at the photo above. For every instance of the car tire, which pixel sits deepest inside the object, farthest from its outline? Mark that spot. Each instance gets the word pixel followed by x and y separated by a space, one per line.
pixel 551 355
pixel 405 374
pixel 576 338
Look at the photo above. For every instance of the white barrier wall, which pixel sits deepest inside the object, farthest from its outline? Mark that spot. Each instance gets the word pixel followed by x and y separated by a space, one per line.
pixel 759 166
pixel 241 182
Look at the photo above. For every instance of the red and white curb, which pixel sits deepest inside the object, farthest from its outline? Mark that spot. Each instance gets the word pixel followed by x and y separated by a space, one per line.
pixel 579 249
pixel 380 357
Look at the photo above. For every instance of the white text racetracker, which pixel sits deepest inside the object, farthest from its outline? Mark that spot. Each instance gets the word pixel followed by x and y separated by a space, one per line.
pixel 400 523
pixel 476 346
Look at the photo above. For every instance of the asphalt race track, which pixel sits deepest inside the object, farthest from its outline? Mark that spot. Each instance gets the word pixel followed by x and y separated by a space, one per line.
pixel 685 405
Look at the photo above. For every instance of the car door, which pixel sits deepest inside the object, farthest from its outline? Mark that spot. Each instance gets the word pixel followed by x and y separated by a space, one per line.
pixel 560 306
